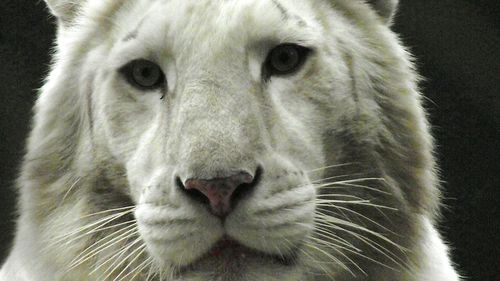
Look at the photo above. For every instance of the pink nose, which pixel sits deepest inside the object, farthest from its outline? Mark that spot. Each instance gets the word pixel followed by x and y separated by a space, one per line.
pixel 219 192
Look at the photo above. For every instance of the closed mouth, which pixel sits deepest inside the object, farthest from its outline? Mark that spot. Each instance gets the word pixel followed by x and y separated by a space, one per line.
pixel 229 251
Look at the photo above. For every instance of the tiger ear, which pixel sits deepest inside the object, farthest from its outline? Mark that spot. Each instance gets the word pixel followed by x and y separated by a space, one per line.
pixel 64 10
pixel 384 8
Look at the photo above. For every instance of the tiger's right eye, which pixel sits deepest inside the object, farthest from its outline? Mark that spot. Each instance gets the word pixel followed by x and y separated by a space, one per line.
pixel 144 75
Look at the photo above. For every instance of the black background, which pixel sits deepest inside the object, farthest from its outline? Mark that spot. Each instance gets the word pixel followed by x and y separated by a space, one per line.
pixel 457 46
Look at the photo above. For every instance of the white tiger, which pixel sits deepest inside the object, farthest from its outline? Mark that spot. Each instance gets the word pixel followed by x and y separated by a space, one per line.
pixel 231 140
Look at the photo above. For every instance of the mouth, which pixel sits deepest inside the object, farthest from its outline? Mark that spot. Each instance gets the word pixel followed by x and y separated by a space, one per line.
pixel 230 253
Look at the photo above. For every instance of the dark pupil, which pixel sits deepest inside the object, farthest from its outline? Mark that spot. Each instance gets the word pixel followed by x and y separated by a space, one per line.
pixel 285 59
pixel 146 75
pixel 146 72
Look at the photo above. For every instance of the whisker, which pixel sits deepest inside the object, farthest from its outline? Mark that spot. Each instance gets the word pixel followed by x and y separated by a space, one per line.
pixel 338 249
pixel 344 185
pixel 331 257
pixel 114 266
pixel 317 263
pixel 69 190
pixel 334 221
pixel 359 215
pixel 331 167
pixel 140 250
pixel 109 211
pixel 100 223
pixel 374 245
pixel 335 195
pixel 361 180
pixel 325 180
pixel 139 269
pixel 117 225
pixel 314 263
pixel 359 253
pixel 95 248
pixel 150 271
pixel 123 237
pixel 331 203
pixel 324 232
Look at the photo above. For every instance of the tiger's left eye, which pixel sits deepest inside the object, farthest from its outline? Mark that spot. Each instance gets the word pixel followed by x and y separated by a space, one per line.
pixel 144 74
pixel 285 59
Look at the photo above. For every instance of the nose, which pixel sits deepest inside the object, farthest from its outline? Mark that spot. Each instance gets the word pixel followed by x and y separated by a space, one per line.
pixel 221 193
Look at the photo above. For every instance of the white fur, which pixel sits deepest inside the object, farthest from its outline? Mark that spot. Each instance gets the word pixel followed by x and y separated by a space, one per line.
pixel 355 100
pixel 436 265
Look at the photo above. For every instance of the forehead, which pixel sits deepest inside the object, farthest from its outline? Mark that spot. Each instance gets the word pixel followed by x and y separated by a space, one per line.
pixel 181 24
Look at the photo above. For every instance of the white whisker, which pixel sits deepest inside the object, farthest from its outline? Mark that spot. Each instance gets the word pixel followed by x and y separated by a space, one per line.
pixel 331 257
pixel 95 248
pixel 97 225
pixel 357 253
pixel 69 191
pixel 109 211
pixel 359 215
pixel 332 224
pixel 131 233
pixel 344 185
pixel 140 250
pixel 328 179
pixel 338 249
pixel 331 203
pixel 140 268
pixel 117 263
pixel 331 166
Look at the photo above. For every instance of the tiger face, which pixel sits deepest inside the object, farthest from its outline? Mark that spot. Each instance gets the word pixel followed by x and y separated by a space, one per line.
pixel 218 130
pixel 231 140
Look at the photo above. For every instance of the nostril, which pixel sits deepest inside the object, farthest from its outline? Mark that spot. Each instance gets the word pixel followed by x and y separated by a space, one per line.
pixel 244 189
pixel 220 193
pixel 192 193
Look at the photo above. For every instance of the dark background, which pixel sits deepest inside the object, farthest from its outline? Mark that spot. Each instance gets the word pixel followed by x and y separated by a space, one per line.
pixel 457 46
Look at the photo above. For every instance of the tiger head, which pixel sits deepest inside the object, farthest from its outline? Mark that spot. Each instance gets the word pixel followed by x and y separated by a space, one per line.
pixel 229 140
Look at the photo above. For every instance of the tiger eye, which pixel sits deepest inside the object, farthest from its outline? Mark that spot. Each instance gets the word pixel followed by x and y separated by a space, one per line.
pixel 286 59
pixel 144 75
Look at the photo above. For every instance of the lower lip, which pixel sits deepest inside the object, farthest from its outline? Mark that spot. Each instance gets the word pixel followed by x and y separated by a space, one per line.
pixel 229 250
pixel 228 247
pixel 231 254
